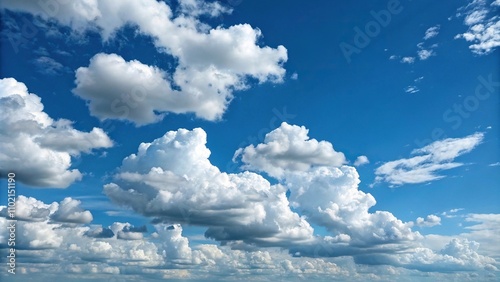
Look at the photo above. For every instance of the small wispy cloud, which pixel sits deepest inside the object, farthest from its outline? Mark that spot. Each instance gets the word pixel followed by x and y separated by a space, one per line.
pixel 432 32
pixel 424 52
pixel 451 213
pixel 49 66
pixel 429 160
pixel 412 89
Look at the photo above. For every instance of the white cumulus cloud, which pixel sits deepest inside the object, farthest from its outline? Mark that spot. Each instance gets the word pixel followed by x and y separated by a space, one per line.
pixel 483 26
pixel 69 210
pixel 361 160
pixel 35 147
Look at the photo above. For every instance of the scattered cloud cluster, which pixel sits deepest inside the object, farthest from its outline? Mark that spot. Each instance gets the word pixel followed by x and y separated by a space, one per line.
pixel 36 147
pixel 424 52
pixel 451 213
pixel 429 160
pixel 172 181
pixel 481 18
pixel 212 62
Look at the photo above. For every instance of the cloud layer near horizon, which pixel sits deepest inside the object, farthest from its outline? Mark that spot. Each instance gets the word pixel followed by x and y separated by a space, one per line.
pixel 172 181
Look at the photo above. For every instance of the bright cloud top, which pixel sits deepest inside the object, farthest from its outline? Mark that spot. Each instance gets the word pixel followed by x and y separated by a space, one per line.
pixel 289 148
pixel 36 147
pixel 430 159
pixel 212 62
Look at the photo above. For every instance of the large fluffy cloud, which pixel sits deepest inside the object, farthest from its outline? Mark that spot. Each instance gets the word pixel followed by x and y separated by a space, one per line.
pixel 430 159
pixel 329 196
pixel 212 62
pixel 36 147
pixel 323 189
pixel 172 180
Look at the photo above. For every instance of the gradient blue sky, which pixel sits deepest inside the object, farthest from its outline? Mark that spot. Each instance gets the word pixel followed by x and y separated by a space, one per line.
pixel 400 94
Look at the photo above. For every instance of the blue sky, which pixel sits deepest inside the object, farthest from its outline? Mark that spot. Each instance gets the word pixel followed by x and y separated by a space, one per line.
pixel 256 140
